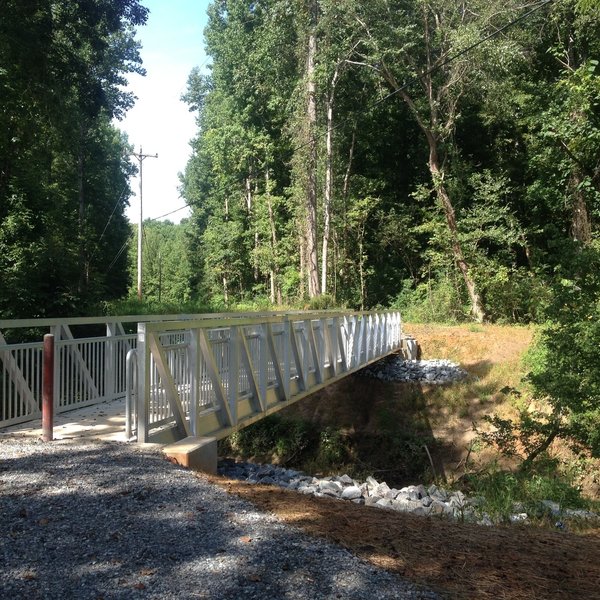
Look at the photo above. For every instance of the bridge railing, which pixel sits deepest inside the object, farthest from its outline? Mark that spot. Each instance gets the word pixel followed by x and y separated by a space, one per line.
pixel 90 356
pixel 212 376
pixel 90 360
pixel 88 369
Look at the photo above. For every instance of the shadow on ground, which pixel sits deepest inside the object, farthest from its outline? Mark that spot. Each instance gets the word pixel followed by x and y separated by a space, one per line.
pixel 466 560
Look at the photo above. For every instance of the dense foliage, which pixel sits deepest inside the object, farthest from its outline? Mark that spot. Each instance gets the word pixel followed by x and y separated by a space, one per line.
pixel 63 166
pixel 438 156
pixel 379 152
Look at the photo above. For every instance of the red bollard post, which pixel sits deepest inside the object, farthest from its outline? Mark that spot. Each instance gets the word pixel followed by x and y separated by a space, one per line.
pixel 48 389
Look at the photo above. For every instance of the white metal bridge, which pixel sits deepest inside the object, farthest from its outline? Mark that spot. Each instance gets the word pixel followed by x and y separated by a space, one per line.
pixel 189 375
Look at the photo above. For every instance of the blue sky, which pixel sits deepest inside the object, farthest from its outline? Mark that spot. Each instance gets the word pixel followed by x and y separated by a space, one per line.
pixel 172 44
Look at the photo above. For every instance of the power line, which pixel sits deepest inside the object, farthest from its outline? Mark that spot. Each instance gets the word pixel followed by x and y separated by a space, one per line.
pixel 113 212
pixel 463 51
pixel 169 213
pixel 121 250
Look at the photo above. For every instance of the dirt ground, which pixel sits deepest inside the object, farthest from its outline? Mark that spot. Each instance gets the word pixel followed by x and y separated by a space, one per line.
pixel 459 560
pixel 463 561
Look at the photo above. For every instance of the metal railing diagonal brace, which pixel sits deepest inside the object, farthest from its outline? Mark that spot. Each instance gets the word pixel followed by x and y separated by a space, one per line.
pixel 160 360
pixel 76 354
pixel 342 328
pixel 16 376
pixel 287 367
pixel 313 349
pixel 357 340
pixel 300 367
pixel 282 393
pixel 258 401
pixel 331 343
pixel 224 414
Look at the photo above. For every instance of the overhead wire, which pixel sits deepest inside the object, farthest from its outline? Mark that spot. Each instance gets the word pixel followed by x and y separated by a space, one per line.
pixel 122 248
pixel 464 51
pixel 394 92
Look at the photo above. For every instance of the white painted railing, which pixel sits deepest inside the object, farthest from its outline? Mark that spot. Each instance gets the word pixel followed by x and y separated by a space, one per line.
pixel 92 369
pixel 212 376
pixel 87 370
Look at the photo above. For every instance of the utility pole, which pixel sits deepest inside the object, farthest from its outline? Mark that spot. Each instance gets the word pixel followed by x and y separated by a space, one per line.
pixel 140 156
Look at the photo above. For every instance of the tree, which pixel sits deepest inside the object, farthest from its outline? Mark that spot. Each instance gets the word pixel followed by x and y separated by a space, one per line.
pixel 417 49
pixel 62 173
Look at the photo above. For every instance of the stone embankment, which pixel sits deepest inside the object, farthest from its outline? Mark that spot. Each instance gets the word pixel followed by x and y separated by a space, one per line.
pixel 415 499
pixel 435 372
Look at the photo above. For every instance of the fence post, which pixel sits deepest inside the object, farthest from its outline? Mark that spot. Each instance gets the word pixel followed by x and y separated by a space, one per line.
pixel 48 389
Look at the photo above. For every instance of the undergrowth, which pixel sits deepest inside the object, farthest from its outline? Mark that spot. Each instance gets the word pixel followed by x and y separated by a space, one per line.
pixel 504 493
pixel 399 457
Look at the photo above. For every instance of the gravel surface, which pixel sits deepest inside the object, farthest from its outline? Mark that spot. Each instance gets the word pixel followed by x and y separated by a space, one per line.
pixel 108 520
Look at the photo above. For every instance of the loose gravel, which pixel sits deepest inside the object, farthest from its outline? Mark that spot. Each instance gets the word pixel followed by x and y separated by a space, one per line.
pixel 104 521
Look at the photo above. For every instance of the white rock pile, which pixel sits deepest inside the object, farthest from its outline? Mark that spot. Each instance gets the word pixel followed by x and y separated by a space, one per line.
pixel 415 499
pixel 435 372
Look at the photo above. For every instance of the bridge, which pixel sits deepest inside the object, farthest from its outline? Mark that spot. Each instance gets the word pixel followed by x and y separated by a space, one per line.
pixel 189 377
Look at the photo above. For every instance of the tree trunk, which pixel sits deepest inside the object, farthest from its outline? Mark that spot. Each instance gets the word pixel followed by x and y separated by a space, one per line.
pixel 581 228
pixel 83 278
pixel 328 182
pixel 273 271
pixel 225 292
pixel 311 183
pixel 437 177
pixel 249 210
pixel 302 255
pixel 361 270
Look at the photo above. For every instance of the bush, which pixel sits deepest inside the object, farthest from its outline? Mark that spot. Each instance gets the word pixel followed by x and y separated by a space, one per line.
pixel 431 302
pixel 272 438
pixel 322 302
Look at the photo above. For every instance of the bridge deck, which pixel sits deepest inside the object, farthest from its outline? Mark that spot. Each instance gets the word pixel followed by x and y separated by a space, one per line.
pixel 105 422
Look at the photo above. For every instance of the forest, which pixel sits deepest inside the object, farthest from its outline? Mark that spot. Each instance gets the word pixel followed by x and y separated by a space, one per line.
pixel 437 156
pixel 432 155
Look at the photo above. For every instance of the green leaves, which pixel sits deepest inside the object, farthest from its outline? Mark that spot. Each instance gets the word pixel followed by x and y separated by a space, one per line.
pixel 63 179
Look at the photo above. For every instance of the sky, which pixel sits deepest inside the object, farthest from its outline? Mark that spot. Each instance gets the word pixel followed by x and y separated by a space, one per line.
pixel 172 44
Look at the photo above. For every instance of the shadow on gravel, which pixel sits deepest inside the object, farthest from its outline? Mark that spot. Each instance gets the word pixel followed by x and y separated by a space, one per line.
pixel 104 521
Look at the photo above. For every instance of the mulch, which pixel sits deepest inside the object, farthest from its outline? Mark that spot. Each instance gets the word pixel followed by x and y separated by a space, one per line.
pixel 459 560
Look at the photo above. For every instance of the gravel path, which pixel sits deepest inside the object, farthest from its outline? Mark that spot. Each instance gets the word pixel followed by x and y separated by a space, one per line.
pixel 108 520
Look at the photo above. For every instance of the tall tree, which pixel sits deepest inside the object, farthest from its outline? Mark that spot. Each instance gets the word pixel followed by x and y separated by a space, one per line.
pixel 416 47
pixel 62 174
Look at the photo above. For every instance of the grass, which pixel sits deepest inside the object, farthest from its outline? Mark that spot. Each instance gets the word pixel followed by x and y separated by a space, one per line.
pixel 505 493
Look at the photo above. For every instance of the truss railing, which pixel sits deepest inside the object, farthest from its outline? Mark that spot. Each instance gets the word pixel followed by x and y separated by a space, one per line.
pixel 89 368
pixel 213 376
pixel 90 358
